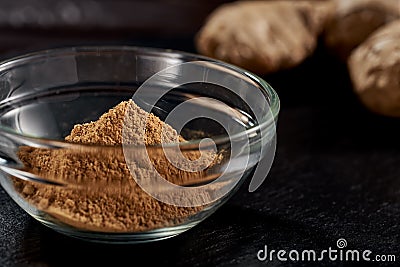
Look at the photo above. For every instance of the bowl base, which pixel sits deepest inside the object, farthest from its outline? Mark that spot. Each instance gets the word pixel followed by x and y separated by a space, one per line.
pixel 119 238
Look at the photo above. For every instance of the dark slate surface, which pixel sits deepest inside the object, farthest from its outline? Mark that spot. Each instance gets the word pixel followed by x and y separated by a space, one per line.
pixel 336 175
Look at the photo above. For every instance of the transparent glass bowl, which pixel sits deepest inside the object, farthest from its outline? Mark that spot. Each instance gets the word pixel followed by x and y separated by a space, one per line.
pixel 44 94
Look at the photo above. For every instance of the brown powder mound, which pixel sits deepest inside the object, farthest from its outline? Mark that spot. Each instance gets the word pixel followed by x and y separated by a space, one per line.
pixel 107 130
pixel 100 192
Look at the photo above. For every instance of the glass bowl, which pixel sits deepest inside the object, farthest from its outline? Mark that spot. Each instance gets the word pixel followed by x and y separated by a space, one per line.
pixel 92 191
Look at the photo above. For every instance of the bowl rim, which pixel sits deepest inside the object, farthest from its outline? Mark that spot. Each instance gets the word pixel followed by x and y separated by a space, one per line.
pixel 274 101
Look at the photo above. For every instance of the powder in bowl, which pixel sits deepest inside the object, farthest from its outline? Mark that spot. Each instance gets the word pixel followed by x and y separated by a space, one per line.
pixel 98 191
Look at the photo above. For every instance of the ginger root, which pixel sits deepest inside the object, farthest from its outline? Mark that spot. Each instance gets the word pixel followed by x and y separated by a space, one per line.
pixel 353 21
pixel 374 68
pixel 263 36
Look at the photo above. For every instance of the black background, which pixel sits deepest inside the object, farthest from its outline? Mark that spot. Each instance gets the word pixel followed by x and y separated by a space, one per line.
pixel 336 172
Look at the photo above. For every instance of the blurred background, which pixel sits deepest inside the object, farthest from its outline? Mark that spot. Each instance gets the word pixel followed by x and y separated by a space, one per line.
pixel 27 25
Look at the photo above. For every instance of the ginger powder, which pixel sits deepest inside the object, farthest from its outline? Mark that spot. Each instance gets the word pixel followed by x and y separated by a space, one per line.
pixel 97 191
